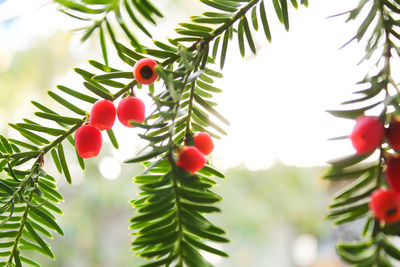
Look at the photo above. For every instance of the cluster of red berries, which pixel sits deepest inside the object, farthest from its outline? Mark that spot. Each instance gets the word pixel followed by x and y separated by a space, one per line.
pixel 368 133
pixel 88 138
pixel 192 158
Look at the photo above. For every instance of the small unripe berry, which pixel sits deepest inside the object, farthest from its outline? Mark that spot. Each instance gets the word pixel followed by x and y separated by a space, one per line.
pixel 130 109
pixel 385 205
pixel 367 134
pixel 144 72
pixel 88 141
pixel 204 143
pixel 190 159
pixel 102 115
pixel 392 171
pixel 393 133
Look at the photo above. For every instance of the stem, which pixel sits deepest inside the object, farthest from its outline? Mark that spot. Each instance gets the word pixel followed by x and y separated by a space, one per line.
pixel 378 254
pixel 178 215
pixel 61 138
pixel 20 191
pixel 21 228
pixel 190 108
pixel 123 90
pixel 174 180
pixel 175 184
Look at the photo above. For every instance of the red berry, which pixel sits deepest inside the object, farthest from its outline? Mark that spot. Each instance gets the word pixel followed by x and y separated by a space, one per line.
pixel 144 72
pixel 392 171
pixel 103 115
pixel 191 159
pixel 393 133
pixel 130 109
pixel 88 141
pixel 385 205
pixel 367 134
pixel 204 143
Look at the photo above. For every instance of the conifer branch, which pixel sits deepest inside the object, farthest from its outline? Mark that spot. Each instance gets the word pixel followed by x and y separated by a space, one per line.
pixel 183 108
pixel 353 202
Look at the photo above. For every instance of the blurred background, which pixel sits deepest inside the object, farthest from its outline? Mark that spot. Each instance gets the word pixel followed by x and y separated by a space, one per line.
pixel 274 200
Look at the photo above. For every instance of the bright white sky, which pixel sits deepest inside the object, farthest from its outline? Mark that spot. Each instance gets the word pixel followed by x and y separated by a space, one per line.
pixel 275 101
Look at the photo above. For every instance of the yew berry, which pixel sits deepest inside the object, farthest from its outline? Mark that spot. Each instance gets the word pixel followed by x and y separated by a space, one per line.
pixel 392 171
pixel 367 134
pixel 88 141
pixel 385 205
pixel 204 143
pixel 102 115
pixel 130 109
pixel 144 72
pixel 393 133
pixel 190 159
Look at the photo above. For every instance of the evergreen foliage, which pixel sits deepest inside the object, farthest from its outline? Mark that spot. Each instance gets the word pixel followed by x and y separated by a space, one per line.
pixel 379 28
pixel 170 226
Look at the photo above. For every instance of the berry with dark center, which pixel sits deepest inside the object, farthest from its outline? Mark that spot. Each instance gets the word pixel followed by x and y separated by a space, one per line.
pixel 88 141
pixel 385 205
pixel 392 171
pixel 102 115
pixel 393 133
pixel 144 71
pixel 190 159
pixel 367 134
pixel 131 109
pixel 204 143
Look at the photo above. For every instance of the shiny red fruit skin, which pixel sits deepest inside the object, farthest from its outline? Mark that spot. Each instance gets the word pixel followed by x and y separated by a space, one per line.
pixel 393 134
pixel 191 159
pixel 392 171
pixel 88 141
pixel 204 143
pixel 102 115
pixel 385 205
pixel 144 72
pixel 131 109
pixel 367 134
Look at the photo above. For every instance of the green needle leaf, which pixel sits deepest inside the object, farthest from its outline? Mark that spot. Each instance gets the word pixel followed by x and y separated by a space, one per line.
pixel 56 160
pixel 265 21
pixel 64 164
pixel 254 18
pixel 215 47
pixel 77 94
pixel 135 20
pixel 224 49
pixel 46 218
pixel 95 88
pixel 103 45
pixel 39 240
pixel 285 14
pixel 58 118
pixel 39 128
pixel 112 137
pixel 240 38
pixel 248 35
pixel 218 5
